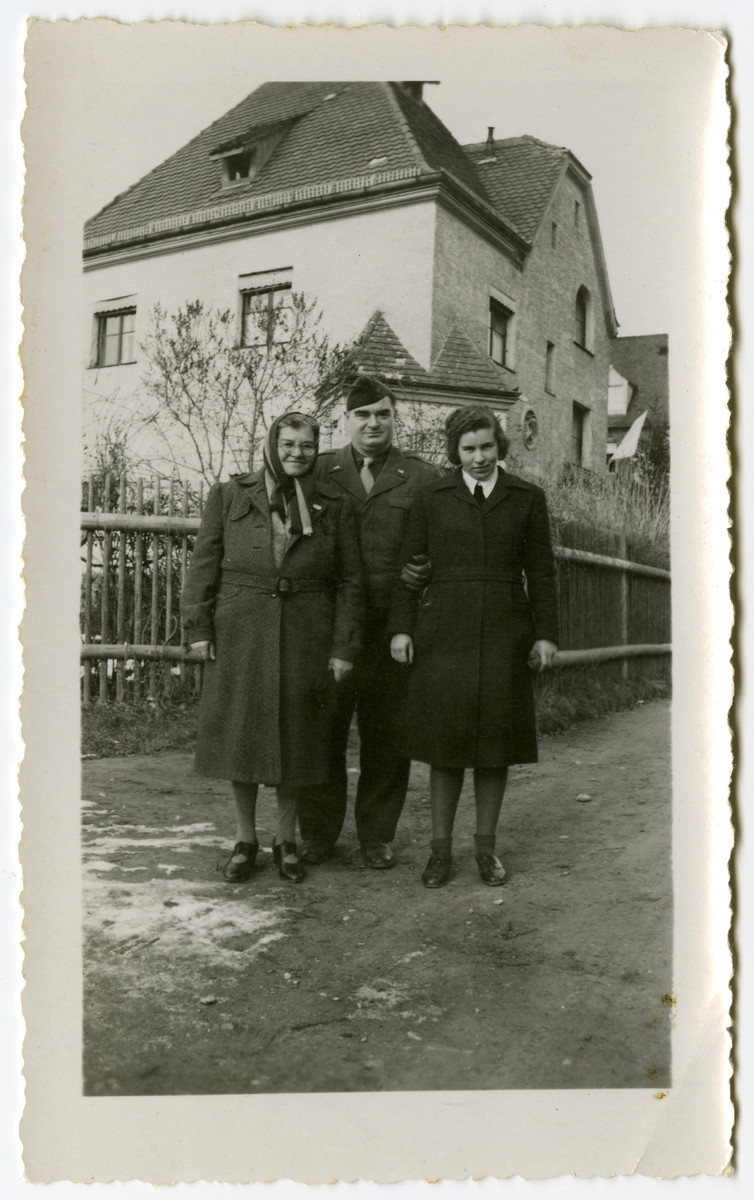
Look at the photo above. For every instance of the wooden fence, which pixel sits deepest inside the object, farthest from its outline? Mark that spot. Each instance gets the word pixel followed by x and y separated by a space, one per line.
pixel 136 543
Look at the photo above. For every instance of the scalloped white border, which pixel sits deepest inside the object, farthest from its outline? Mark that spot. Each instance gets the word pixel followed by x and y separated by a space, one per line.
pixel 700 471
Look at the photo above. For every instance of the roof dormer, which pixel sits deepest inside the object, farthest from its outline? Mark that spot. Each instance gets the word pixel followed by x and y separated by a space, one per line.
pixel 242 157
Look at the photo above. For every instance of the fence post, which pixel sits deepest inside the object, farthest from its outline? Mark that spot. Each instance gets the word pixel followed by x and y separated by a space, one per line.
pixel 105 596
pixel 88 590
pixel 138 569
pixel 184 568
pixel 155 587
pixel 120 611
pixel 623 599
pixel 169 571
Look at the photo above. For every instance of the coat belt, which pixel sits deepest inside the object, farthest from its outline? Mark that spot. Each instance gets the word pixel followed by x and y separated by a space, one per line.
pixel 273 586
pixel 487 574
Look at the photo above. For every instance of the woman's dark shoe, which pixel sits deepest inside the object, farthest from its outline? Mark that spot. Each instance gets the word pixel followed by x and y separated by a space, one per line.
pixel 293 872
pixel 437 871
pixel 239 866
pixel 491 870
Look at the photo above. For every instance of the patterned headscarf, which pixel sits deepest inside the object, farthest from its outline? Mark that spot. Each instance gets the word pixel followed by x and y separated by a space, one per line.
pixel 289 488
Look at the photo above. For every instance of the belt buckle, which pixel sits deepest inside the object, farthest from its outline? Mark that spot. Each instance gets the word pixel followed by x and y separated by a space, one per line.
pixel 283 587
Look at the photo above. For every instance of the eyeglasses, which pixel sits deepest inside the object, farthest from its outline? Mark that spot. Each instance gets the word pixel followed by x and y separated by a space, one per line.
pixel 307 448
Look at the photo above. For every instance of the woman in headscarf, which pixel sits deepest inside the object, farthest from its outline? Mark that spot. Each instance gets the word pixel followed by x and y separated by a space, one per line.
pixel 273 602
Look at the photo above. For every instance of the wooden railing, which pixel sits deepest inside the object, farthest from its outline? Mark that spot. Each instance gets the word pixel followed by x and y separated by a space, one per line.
pixel 612 608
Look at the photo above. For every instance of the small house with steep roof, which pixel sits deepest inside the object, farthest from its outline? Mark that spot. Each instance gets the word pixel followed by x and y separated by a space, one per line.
pixel 470 273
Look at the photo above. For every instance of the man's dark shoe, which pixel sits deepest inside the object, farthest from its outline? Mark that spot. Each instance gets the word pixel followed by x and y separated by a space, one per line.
pixel 491 870
pixel 316 853
pixel 378 855
pixel 239 866
pixel 437 871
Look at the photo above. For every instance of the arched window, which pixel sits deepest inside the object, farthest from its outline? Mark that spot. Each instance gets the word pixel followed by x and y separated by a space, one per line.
pixel 583 335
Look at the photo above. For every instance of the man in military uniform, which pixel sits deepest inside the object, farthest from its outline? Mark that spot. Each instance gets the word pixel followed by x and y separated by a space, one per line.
pixel 381 481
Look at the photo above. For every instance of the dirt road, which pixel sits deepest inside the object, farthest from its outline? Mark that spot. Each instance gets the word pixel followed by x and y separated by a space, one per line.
pixel 361 980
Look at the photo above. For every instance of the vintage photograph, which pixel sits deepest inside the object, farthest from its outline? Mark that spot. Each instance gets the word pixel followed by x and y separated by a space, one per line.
pixel 374 477
pixel 376 658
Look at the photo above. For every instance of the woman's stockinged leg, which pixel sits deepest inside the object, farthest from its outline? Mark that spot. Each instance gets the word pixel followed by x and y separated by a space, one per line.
pixel 239 866
pixel 286 816
pixel 284 846
pixel 245 799
pixel 445 785
pixel 489 789
pixel 444 790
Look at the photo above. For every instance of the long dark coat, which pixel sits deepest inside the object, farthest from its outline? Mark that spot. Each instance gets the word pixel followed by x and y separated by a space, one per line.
pixel 268 699
pixel 470 693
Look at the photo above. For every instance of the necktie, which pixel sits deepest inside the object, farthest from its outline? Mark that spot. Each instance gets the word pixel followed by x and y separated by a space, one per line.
pixel 479 494
pixel 367 478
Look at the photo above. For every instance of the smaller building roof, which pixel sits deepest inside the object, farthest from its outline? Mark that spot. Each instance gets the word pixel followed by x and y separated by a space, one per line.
pixel 381 352
pixel 460 364
pixel 643 360
pixel 458 368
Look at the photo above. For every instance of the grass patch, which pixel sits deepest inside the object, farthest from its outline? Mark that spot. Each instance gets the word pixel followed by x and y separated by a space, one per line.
pixel 563 699
pixel 583 693
pixel 109 730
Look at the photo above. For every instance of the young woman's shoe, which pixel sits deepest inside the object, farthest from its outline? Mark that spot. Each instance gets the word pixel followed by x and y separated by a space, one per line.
pixel 293 872
pixel 239 866
pixel 437 871
pixel 491 870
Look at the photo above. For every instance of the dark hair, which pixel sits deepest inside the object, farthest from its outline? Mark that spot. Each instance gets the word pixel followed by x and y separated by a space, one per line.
pixel 367 389
pixel 298 420
pixel 467 420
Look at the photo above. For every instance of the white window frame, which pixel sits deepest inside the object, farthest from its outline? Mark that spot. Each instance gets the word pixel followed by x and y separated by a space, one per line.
pixel 105 310
pixel 263 288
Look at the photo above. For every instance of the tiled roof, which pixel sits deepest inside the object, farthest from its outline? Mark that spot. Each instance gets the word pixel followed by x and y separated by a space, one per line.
pixel 325 132
pixel 382 353
pixel 459 367
pixel 435 142
pixel 460 364
pixel 520 179
pixel 190 179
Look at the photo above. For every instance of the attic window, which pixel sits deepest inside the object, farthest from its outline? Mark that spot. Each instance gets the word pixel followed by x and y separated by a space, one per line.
pixel 238 166
pixel 377 162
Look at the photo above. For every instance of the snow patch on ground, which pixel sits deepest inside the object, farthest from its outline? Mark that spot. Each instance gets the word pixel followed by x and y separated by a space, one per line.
pixel 171 918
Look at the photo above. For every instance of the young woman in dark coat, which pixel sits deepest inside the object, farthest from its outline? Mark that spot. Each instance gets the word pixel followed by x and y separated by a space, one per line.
pixel 274 603
pixel 489 610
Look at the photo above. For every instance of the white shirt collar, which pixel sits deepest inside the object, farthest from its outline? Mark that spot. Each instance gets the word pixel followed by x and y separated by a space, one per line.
pixel 487 484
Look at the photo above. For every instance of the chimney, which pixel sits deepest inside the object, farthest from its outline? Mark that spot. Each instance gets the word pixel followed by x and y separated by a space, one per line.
pixel 414 87
pixel 491 139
